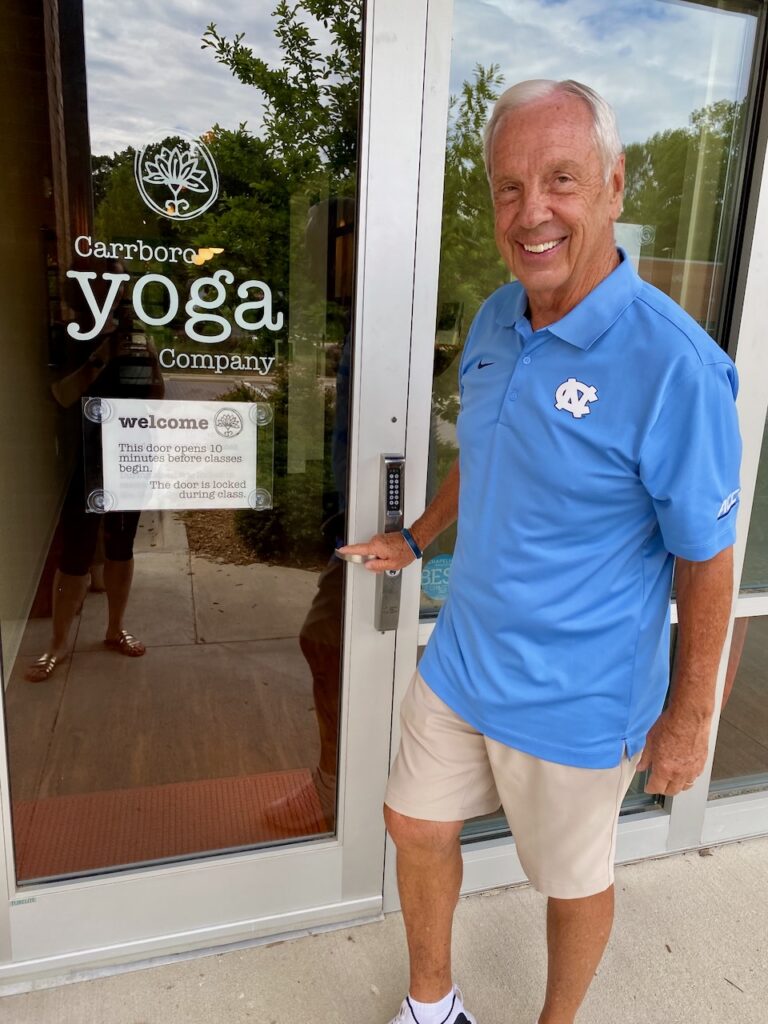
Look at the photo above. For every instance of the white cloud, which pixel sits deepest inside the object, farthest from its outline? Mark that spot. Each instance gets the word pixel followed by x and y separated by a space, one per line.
pixel 655 61
pixel 147 73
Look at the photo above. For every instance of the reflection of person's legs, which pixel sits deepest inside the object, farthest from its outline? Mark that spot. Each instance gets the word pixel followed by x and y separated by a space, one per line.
pixel 68 596
pixel 324 662
pixel 97 566
pixel 79 531
pixel 118 577
pixel 119 532
pixel 320 641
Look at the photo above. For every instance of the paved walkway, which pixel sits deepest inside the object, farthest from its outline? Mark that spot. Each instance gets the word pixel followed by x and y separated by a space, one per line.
pixel 690 947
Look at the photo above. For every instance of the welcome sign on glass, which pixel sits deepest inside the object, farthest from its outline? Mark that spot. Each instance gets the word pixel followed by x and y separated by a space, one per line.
pixel 177 454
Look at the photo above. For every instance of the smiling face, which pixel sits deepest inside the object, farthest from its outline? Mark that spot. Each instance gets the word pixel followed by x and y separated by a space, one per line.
pixel 554 211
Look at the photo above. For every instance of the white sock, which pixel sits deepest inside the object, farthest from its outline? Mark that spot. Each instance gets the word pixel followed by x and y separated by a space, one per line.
pixel 432 1013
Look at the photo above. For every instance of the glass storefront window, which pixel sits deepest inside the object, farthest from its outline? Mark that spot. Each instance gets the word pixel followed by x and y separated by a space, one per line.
pixel 171 640
pixel 741 753
pixel 754 575
pixel 678 76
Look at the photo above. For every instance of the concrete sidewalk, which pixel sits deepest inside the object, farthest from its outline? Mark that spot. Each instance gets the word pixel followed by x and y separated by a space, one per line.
pixel 690 947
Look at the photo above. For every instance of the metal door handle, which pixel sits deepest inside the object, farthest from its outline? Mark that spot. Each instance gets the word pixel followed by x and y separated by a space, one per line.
pixel 391 506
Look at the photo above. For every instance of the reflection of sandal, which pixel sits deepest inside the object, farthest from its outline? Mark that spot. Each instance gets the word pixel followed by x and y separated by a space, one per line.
pixel 127 644
pixel 42 669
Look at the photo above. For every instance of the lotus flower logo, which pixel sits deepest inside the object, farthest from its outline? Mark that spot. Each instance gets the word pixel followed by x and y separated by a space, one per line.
pixel 177 181
pixel 228 423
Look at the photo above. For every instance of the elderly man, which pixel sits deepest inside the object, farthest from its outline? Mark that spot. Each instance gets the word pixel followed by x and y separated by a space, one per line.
pixel 598 443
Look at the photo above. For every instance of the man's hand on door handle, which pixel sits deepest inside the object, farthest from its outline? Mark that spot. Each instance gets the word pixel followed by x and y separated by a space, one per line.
pixel 385 552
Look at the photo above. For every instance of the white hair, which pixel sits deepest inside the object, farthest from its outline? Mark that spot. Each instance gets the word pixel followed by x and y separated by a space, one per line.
pixel 604 127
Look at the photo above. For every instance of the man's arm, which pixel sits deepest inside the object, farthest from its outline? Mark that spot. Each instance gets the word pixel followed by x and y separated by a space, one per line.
pixel 391 550
pixel 676 748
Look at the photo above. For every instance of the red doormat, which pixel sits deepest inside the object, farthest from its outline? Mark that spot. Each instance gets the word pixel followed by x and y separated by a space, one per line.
pixel 64 835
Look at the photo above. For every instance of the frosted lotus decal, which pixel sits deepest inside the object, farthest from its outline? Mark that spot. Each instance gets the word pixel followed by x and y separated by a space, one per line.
pixel 177 177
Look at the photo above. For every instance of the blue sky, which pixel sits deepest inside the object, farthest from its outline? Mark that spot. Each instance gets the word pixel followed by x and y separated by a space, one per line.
pixel 655 60
pixel 148 75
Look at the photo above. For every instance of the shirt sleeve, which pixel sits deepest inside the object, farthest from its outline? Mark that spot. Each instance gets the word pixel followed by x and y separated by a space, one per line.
pixel 689 463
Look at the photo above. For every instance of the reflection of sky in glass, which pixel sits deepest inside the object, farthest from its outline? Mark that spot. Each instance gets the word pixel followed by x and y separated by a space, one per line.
pixel 148 75
pixel 655 61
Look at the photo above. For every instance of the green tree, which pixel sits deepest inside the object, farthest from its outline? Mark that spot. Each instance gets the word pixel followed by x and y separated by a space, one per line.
pixel 470 266
pixel 680 181
pixel 250 219
pixel 311 99
pixel 120 212
pixel 301 169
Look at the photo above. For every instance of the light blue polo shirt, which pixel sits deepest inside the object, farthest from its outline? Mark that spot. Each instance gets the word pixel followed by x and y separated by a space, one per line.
pixel 591 453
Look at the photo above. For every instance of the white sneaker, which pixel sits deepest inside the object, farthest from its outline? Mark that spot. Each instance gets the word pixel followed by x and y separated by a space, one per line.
pixel 456 1015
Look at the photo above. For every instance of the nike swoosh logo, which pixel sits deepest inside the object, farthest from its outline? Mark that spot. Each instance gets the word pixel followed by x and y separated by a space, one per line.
pixel 481 364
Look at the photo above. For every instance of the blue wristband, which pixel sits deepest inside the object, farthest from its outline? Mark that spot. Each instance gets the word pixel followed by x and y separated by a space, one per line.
pixel 408 538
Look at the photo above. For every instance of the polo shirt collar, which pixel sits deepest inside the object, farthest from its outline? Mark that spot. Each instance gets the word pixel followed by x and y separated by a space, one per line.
pixel 594 314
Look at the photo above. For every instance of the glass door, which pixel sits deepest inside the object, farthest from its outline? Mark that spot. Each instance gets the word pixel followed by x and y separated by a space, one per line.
pixel 210 353
pixel 687 124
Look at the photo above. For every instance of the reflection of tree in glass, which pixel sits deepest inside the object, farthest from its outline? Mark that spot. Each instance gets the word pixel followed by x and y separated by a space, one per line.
pixel 304 160
pixel 302 157
pixel 311 99
pixel 681 182
pixel 120 211
pixel 307 143
pixel 289 533
pixel 470 266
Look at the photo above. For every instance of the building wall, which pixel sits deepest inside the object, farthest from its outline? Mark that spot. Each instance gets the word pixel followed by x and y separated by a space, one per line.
pixel 30 423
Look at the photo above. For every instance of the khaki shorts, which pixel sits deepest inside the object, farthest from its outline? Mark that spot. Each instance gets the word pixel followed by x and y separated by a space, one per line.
pixel 563 819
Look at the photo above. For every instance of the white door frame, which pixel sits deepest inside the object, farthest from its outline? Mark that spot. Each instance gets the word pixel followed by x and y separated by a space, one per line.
pixel 691 819
pixel 56 928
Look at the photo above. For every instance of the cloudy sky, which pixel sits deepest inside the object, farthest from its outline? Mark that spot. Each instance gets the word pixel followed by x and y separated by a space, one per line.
pixel 147 74
pixel 655 60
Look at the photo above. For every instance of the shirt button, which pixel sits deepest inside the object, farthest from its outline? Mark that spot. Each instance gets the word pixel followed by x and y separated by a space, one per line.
pixel 526 360
pixel 513 396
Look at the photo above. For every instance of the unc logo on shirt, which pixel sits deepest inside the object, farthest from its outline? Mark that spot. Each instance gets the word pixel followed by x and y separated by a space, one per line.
pixel 574 397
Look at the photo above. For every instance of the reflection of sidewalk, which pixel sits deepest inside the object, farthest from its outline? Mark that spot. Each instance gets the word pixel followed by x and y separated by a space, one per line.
pixel 204 387
pixel 688 948
pixel 179 598
pixel 223 690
